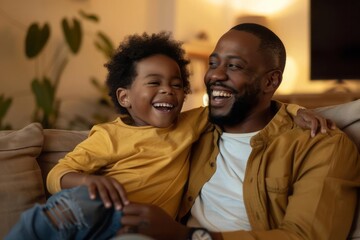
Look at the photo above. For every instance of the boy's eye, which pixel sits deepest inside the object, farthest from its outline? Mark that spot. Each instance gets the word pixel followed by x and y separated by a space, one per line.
pixel 153 83
pixel 177 85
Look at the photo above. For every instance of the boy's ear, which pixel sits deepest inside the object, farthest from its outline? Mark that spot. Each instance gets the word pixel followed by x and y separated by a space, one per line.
pixel 123 97
pixel 273 81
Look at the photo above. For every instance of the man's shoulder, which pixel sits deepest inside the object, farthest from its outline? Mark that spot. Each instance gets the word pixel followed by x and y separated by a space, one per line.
pixel 333 145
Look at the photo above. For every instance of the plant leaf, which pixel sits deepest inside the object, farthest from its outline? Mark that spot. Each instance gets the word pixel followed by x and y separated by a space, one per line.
pixel 104 44
pixel 44 95
pixel 89 16
pixel 36 39
pixel 5 104
pixel 73 35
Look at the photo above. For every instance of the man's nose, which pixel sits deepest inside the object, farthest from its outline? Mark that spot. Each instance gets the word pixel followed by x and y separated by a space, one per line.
pixel 217 74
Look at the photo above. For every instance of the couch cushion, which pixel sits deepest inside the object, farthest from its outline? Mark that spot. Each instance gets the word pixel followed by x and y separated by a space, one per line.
pixel 21 184
pixel 57 143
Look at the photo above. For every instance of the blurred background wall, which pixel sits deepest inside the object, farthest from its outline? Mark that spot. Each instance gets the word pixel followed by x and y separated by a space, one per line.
pixel 197 23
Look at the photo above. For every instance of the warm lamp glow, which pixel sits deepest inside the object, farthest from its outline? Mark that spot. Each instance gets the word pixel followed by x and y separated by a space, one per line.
pixel 288 83
pixel 217 2
pixel 205 100
pixel 255 7
pixel 261 7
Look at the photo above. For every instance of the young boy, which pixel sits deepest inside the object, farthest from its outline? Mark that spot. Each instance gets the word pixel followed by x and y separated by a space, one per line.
pixel 145 151
pixel 142 156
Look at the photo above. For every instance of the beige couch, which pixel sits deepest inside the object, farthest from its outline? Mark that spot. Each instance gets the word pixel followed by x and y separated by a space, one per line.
pixel 27 155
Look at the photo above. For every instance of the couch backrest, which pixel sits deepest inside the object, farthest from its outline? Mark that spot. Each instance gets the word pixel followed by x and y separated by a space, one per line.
pixel 57 143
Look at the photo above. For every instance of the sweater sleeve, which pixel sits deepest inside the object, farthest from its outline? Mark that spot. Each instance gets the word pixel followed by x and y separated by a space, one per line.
pixel 293 109
pixel 87 157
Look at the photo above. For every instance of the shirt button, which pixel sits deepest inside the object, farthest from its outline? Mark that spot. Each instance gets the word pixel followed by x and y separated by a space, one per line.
pixel 190 198
pixel 212 164
pixel 251 180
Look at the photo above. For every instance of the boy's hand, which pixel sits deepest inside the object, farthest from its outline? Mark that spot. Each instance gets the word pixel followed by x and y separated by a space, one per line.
pixel 308 119
pixel 110 191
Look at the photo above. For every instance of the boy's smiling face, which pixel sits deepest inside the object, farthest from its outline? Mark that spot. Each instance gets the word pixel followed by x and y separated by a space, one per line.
pixel 157 93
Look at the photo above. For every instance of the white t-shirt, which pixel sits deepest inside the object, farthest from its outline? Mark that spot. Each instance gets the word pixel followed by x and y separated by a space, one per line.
pixel 220 205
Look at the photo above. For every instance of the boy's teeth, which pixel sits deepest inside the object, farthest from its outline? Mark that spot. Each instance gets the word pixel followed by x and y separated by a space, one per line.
pixel 217 93
pixel 163 105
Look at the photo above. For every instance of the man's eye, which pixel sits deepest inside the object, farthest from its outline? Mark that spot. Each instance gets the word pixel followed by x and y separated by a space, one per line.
pixel 212 64
pixel 233 66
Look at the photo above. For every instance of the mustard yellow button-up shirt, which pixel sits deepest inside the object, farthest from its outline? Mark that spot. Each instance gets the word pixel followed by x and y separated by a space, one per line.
pixel 295 186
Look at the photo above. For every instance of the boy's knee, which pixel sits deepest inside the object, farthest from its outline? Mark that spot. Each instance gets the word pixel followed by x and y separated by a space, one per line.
pixel 75 206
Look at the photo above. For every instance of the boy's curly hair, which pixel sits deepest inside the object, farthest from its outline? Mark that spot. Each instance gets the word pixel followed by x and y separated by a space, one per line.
pixel 122 66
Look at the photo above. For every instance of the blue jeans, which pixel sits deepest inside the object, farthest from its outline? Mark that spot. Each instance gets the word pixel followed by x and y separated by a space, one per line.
pixel 89 218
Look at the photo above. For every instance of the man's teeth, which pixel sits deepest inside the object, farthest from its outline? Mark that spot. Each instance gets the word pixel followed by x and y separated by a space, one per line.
pixel 216 93
pixel 167 105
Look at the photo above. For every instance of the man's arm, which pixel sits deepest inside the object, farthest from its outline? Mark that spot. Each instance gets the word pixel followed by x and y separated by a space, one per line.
pixel 153 221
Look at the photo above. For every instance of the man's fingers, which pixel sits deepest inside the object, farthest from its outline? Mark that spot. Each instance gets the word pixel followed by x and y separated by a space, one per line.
pixel 133 209
pixel 130 220
pixel 134 219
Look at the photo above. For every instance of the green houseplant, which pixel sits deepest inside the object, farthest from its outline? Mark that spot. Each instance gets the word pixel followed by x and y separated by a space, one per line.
pixel 45 87
pixel 5 104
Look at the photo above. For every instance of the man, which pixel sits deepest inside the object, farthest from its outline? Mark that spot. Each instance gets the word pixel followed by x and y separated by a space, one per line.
pixel 256 174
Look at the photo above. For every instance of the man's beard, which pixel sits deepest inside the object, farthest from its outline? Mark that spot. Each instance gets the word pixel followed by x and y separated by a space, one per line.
pixel 241 108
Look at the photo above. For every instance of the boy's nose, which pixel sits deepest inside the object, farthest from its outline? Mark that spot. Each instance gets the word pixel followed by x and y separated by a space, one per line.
pixel 166 90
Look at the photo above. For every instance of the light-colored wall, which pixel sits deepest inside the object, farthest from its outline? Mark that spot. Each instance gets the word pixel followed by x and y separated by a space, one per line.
pixel 118 18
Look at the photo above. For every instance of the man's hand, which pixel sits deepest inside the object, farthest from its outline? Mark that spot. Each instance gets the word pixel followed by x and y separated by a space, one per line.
pixel 308 119
pixel 110 191
pixel 152 221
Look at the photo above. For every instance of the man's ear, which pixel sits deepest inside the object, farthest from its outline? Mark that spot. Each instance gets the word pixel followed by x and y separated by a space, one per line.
pixel 123 97
pixel 273 81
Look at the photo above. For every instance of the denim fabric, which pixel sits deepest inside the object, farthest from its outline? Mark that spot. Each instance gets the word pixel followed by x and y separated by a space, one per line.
pixel 91 219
